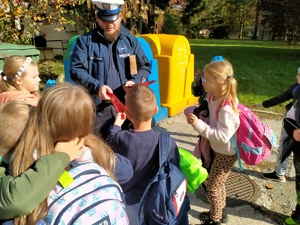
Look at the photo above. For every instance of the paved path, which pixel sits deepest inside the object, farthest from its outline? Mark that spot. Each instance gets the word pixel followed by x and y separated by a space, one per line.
pixel 271 205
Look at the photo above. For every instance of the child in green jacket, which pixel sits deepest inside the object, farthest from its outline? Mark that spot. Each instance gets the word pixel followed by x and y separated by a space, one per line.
pixel 20 195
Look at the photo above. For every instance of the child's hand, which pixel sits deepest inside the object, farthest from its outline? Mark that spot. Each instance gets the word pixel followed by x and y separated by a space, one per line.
pixel 296 134
pixel 73 148
pixel 192 119
pixel 120 118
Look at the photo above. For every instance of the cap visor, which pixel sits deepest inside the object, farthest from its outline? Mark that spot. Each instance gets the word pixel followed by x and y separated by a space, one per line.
pixel 108 18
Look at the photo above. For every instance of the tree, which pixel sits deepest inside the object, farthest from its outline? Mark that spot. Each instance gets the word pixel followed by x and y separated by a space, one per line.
pixel 190 20
pixel 20 20
pixel 292 22
pixel 257 13
pixel 145 16
pixel 275 17
pixel 172 21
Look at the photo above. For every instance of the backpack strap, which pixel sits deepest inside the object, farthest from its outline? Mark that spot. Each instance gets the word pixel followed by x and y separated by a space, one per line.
pixel 232 139
pixel 234 143
pixel 163 151
pixel 164 148
pixel 223 103
pixel 210 98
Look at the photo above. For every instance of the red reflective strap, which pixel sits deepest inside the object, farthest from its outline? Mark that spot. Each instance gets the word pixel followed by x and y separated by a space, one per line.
pixel 119 106
pixel 145 83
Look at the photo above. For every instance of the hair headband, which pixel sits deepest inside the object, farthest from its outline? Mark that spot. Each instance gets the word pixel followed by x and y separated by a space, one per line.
pixel 3 75
pixel 28 60
pixel 217 58
pixel 221 59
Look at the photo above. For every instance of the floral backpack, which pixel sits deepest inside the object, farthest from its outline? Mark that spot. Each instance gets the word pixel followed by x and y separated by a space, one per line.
pixel 86 194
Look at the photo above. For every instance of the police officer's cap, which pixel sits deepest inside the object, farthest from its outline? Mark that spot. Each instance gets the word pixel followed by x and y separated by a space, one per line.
pixel 108 10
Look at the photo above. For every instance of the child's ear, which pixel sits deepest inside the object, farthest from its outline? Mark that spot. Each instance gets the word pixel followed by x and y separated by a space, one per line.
pixel 156 110
pixel 18 81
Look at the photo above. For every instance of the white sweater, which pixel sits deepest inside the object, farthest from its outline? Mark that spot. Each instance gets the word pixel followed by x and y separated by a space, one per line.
pixel 221 128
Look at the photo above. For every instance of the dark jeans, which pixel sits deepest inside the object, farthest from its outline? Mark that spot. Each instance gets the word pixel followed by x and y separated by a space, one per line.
pixel 296 212
pixel 105 119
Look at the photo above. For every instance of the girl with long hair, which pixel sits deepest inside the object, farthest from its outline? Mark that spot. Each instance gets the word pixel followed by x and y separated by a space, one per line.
pixel 63 113
pixel 220 85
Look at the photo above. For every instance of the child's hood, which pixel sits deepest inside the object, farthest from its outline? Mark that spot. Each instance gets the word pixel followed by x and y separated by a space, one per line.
pixel 29 98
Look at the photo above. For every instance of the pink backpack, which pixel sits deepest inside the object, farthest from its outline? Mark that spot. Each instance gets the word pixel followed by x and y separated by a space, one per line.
pixel 92 198
pixel 254 139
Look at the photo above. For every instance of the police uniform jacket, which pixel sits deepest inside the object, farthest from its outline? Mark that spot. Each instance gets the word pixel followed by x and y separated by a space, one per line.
pixel 90 60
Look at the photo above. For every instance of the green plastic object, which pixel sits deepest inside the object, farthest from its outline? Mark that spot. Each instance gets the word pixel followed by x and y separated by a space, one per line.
pixel 7 49
pixel 192 168
pixel 69 47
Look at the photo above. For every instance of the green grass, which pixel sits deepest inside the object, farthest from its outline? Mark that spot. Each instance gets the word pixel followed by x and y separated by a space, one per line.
pixel 263 69
pixel 50 69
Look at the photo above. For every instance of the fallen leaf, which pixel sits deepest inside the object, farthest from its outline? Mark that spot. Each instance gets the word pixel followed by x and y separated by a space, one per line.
pixel 269 186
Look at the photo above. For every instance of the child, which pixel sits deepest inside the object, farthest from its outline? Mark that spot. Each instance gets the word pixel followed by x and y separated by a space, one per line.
pixel 292 128
pixel 220 86
pixel 19 80
pixel 291 93
pixel 59 117
pixel 139 145
pixel 202 148
pixel 13 203
pixel 198 91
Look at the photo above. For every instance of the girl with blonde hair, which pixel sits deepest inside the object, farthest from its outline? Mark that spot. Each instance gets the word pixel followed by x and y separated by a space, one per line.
pixel 224 121
pixel 19 80
pixel 63 113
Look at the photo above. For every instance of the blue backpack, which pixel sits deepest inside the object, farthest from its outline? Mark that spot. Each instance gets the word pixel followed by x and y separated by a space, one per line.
pixel 165 199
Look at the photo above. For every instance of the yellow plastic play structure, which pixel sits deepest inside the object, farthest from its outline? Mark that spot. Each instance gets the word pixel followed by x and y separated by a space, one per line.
pixel 175 69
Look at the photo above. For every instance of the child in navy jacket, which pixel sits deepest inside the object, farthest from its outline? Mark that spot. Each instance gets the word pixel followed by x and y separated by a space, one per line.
pixel 139 145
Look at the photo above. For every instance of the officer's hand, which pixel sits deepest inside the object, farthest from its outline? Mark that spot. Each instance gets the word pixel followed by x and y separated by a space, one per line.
pixel 103 92
pixel 128 85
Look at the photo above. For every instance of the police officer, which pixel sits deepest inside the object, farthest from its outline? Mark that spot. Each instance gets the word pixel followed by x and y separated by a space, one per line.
pixel 101 62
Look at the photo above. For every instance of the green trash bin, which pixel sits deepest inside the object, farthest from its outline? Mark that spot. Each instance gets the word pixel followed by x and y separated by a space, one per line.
pixel 7 49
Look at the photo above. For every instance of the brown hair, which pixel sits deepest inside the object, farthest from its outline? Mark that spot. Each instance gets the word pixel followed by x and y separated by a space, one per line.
pixel 13 119
pixel 63 113
pixel 10 69
pixel 223 72
pixel 140 102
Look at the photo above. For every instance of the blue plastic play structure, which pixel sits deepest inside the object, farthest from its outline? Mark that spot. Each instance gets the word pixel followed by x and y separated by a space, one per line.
pixel 162 111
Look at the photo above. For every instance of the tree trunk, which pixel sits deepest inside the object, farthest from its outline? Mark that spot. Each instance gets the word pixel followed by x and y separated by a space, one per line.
pixel 254 36
pixel 140 25
pixel 131 24
pixel 242 23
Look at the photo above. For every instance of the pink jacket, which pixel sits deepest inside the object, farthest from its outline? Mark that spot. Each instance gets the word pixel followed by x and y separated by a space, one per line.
pixel 30 98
